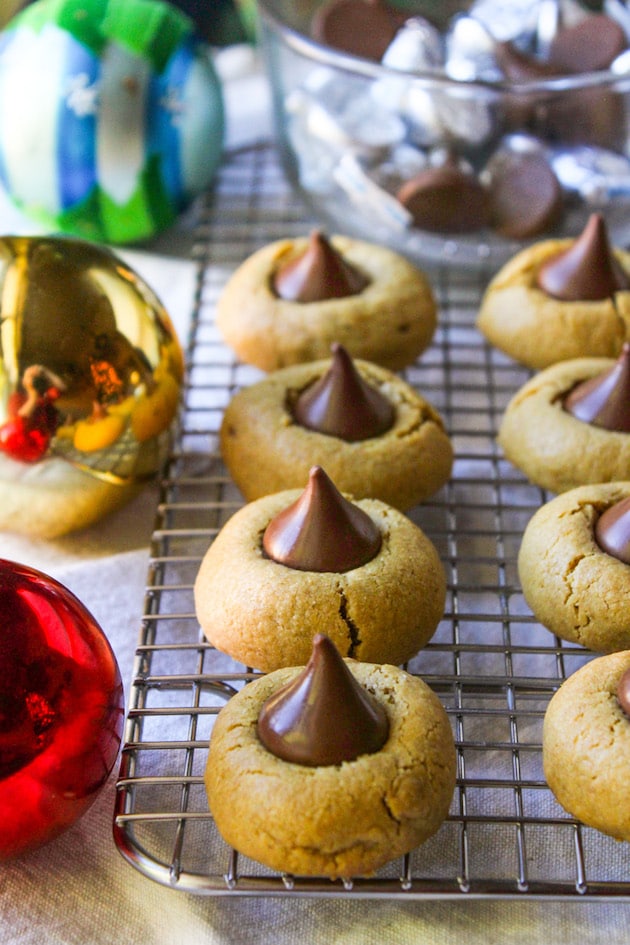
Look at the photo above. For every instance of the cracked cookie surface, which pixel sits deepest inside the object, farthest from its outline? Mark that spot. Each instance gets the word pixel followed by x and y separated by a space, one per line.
pixel 536 329
pixel 265 614
pixel 336 820
pixel 266 450
pixel 554 449
pixel 586 746
pixel 573 587
pixel 390 322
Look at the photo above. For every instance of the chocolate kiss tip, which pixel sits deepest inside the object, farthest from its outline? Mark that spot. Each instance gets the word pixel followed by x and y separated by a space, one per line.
pixel 317 274
pixel 587 270
pixel 519 66
pixel 623 691
pixel 342 404
pixel 612 530
pixel 322 530
pixel 323 716
pixel 604 400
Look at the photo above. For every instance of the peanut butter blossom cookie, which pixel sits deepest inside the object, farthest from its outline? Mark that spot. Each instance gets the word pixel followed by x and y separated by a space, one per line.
pixel 574 566
pixel 293 752
pixel 570 424
pixel 560 299
pixel 289 301
pixel 586 744
pixel 372 432
pixel 111 116
pixel 301 562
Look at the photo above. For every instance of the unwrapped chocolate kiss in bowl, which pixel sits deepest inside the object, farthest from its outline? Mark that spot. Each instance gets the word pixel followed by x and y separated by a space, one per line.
pixel 454 133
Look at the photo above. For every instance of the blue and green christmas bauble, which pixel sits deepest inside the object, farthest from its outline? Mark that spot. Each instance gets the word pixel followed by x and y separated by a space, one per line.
pixel 111 116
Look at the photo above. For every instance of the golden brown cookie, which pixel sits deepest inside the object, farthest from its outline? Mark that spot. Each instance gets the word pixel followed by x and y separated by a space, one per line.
pixel 390 322
pixel 265 614
pixel 537 329
pixel 266 450
pixel 52 498
pixel 575 588
pixel 586 746
pixel 338 820
pixel 553 448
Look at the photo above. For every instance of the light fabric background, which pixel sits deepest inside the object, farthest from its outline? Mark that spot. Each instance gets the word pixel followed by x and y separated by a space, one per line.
pixel 78 890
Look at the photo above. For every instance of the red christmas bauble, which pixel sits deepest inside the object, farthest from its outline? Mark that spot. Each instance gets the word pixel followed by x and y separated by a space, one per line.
pixel 61 709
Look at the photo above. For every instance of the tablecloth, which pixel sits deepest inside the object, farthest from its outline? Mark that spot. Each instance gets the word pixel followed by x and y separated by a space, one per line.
pixel 78 890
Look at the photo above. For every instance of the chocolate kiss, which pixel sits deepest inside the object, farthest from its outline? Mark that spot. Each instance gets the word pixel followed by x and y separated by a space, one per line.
pixel 623 691
pixel 604 400
pixel 324 716
pixel 518 66
pixel 588 46
pixel 341 403
pixel 588 270
pixel 336 24
pixel 322 530
pixel 612 530
pixel 319 273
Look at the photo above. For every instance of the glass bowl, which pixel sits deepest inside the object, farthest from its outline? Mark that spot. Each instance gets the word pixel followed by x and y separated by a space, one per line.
pixel 352 132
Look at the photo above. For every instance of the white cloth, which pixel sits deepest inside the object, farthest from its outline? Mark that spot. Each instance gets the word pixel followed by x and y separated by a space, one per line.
pixel 78 890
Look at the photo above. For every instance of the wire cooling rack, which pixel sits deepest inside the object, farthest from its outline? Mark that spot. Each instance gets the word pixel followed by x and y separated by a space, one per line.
pixel 491 664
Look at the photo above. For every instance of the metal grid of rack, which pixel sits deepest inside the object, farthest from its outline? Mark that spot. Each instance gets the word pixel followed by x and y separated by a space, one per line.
pixel 491 664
